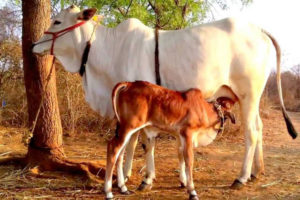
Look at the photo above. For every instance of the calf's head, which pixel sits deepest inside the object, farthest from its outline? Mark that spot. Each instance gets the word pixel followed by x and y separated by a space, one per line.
pixel 223 106
pixel 226 106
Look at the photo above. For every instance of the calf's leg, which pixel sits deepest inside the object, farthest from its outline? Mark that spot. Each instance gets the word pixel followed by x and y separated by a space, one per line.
pixel 130 148
pixel 114 148
pixel 182 175
pixel 188 153
pixel 121 181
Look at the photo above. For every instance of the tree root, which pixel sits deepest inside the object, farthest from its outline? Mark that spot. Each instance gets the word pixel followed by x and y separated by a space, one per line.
pixel 55 160
pixel 13 160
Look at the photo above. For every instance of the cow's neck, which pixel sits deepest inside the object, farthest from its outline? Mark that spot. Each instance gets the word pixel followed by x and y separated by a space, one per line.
pixel 96 81
pixel 102 50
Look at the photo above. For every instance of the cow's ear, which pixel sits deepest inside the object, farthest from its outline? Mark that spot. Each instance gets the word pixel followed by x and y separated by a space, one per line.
pixel 87 14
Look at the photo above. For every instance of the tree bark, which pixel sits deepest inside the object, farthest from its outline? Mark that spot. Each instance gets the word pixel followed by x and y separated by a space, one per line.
pixel 45 149
pixel 48 130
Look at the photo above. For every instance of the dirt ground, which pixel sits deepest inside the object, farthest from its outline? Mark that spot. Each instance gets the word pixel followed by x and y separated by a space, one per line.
pixel 216 166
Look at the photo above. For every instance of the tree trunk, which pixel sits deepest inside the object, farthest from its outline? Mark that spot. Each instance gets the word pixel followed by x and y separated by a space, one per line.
pixel 47 134
pixel 45 149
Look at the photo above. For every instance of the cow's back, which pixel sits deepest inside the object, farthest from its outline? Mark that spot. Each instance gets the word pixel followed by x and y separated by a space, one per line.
pixel 211 55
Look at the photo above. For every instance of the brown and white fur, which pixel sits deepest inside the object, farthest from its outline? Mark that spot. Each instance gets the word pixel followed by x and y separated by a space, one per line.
pixel 186 114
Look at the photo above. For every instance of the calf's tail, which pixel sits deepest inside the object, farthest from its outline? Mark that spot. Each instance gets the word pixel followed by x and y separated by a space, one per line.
pixel 115 94
pixel 287 119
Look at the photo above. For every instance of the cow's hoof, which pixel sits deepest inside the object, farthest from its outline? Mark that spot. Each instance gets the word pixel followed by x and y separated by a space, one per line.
pixel 182 185
pixel 144 186
pixel 193 197
pixel 236 185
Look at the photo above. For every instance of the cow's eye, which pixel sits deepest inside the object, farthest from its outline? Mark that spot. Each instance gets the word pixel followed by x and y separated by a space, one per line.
pixel 56 22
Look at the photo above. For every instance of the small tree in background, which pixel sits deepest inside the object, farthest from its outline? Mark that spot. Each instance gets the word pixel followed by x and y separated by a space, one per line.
pixel 296 72
pixel 290 87
pixel 10 46
pixel 164 14
pixel 11 73
pixel 10 23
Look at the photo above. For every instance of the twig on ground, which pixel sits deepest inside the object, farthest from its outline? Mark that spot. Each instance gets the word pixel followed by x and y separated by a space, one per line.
pixel 42 197
pixel 270 184
pixel 6 153
pixel 142 169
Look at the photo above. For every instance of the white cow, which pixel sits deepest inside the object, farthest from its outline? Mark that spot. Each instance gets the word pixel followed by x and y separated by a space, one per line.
pixel 213 57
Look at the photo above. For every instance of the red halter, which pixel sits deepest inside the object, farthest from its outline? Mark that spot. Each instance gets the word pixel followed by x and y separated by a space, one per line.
pixel 57 34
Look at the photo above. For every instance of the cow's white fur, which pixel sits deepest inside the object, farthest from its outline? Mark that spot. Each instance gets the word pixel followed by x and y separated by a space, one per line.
pixel 227 52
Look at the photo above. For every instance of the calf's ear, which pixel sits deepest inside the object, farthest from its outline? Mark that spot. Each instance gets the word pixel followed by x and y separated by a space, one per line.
pixel 226 103
pixel 87 14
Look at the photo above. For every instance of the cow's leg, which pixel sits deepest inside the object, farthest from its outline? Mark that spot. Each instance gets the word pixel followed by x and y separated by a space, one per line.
pixel 258 167
pixel 182 175
pixel 130 148
pixel 150 165
pixel 186 138
pixel 249 112
pixel 114 148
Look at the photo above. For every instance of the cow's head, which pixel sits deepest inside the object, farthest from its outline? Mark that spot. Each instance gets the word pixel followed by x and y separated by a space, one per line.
pixel 71 43
pixel 226 105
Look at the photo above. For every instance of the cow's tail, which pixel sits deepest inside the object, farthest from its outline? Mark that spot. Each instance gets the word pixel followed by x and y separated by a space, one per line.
pixel 287 119
pixel 115 94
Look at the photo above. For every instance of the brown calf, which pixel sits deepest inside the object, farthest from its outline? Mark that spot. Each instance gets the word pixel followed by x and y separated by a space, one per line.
pixel 187 114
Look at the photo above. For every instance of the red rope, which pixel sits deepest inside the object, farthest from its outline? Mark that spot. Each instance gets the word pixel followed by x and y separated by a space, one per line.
pixel 57 34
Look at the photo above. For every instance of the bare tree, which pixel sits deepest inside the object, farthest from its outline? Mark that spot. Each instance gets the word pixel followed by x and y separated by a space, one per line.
pixel 296 72
pixel 10 22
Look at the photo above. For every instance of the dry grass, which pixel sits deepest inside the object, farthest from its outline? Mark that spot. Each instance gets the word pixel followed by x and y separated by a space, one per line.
pixel 13 93
pixel 216 166
pixel 76 115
